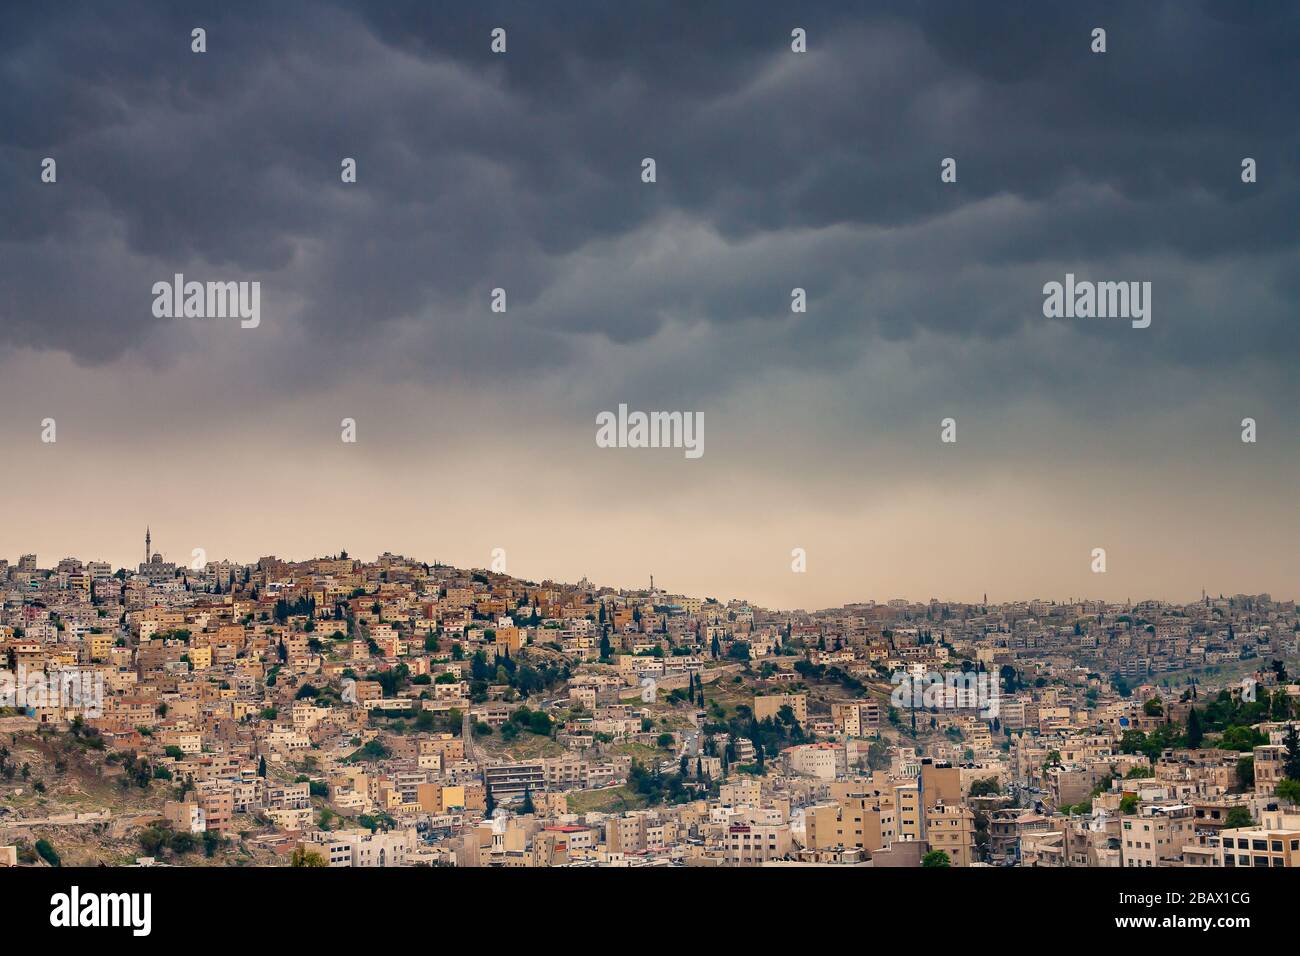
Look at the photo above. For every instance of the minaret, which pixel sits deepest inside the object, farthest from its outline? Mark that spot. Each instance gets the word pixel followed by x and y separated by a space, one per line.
pixel 147 542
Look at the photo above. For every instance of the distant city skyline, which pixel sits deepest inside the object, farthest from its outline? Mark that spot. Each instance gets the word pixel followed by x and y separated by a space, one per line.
pixel 47 561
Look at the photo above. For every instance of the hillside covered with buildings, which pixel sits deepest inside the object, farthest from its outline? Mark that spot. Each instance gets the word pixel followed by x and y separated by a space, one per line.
pixel 393 712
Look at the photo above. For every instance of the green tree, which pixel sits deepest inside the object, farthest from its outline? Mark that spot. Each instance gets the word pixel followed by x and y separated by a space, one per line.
pixel 305 857
pixel 48 853
pixel 1241 739
pixel 1289 790
pixel 1238 817
pixel 1291 764
pixel 182 842
pixel 1246 772
pixel 1195 733
pixel 936 858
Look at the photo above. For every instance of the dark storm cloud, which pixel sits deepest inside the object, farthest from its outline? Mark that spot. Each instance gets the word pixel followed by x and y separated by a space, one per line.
pixel 775 171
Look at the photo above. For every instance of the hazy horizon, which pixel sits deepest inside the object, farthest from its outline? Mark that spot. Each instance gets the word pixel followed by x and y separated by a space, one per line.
pixel 659 582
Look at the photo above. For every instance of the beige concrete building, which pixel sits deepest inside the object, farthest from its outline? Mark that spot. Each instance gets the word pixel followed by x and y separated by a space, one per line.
pixel 863 820
pixel 751 844
pixel 951 828
pixel 770 706
pixel 1275 842
pixel 1157 835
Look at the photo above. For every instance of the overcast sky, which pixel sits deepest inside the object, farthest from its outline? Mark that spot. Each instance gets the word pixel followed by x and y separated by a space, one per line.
pixel 775 170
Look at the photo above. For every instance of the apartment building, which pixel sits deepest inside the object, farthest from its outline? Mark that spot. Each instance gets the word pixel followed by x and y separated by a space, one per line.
pixel 856 718
pixel 1157 835
pixel 1274 843
pixel 626 834
pixel 770 706
pixel 185 817
pixel 951 828
pixel 863 820
pixel 361 848
pixel 218 806
pixel 1270 762
pixel 510 781
pixel 751 844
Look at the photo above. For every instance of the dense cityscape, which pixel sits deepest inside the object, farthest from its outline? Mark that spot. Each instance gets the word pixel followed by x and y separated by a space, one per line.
pixel 347 713
pixel 311 312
